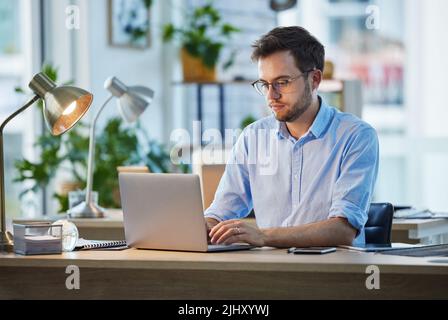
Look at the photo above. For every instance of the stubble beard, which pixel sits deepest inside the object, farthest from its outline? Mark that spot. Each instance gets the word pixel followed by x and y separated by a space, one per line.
pixel 299 108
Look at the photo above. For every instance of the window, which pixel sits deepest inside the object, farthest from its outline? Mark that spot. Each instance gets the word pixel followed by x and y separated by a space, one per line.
pixel 14 66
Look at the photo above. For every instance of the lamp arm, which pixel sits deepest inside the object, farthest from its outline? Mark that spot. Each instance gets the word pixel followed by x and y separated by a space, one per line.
pixel 90 164
pixel 2 168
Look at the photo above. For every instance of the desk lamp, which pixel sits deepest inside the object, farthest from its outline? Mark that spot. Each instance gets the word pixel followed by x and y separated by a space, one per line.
pixel 63 107
pixel 132 101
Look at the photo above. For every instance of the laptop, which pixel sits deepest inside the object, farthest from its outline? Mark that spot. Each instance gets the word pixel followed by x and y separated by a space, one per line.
pixel 164 212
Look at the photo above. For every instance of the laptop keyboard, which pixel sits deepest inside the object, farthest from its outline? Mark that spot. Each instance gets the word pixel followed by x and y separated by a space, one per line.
pixel 440 250
pixel 231 247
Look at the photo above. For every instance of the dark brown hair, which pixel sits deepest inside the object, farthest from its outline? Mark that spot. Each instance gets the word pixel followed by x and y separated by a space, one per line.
pixel 307 51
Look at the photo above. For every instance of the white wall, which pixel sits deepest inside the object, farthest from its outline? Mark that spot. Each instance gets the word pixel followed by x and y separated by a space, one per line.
pixel 434 49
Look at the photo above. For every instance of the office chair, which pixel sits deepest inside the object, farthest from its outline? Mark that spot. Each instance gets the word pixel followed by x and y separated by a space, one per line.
pixel 379 223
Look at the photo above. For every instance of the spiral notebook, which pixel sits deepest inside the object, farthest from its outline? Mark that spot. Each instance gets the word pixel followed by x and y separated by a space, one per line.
pixel 84 244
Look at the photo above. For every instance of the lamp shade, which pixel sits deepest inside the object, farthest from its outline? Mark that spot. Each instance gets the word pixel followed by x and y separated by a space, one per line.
pixel 63 105
pixel 132 100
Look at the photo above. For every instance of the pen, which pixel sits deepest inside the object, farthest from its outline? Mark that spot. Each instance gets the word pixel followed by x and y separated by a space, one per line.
pixel 291 250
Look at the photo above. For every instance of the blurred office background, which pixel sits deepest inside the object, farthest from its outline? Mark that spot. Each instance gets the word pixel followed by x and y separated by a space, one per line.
pixel 396 48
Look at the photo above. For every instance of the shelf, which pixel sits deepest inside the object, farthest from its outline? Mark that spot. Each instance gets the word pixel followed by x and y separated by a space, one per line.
pixel 216 83
pixel 329 86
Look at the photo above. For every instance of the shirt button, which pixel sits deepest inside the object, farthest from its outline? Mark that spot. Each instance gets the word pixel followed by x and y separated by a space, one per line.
pixel 295 177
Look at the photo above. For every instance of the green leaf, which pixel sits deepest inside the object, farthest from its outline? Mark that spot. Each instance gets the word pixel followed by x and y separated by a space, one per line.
pixel 227 29
pixel 51 71
pixel 168 32
pixel 230 61
pixel 63 202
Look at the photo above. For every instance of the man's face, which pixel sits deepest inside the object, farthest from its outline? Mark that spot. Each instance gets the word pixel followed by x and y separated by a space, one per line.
pixel 289 106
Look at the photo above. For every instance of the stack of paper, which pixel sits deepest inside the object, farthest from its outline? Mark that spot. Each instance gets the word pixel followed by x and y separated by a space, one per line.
pixel 415 213
pixel 37 238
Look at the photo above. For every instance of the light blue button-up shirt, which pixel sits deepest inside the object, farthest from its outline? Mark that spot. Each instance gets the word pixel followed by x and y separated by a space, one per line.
pixel 328 172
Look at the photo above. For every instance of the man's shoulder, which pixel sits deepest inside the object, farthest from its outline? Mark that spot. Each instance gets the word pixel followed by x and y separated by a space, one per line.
pixel 348 122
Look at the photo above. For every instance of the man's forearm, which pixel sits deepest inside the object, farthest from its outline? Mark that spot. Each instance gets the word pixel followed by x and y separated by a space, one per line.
pixel 331 232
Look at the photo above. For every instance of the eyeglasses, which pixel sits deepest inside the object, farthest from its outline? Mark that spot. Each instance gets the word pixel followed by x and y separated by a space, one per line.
pixel 280 86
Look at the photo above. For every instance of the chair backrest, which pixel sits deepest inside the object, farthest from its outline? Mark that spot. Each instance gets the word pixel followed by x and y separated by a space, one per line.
pixel 379 223
pixel 210 166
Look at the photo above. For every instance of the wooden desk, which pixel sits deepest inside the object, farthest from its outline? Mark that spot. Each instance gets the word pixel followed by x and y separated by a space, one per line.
pixel 263 273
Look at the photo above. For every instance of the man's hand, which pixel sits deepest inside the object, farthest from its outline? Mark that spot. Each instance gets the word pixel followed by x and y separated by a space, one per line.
pixel 209 224
pixel 231 231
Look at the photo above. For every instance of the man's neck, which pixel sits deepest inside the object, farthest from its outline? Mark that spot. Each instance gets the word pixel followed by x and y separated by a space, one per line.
pixel 300 126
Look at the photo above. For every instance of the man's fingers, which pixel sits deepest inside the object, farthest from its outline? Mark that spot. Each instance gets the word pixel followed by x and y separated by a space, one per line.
pixel 223 223
pixel 214 230
pixel 231 231
pixel 218 232
pixel 226 235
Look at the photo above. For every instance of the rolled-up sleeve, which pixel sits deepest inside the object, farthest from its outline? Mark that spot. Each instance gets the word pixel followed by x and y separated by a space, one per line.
pixel 233 199
pixel 354 186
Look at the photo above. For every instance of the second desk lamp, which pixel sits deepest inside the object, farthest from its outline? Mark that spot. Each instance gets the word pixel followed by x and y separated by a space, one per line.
pixel 132 101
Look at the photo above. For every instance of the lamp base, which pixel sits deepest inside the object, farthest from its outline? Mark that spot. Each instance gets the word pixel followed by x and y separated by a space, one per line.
pixel 86 210
pixel 6 242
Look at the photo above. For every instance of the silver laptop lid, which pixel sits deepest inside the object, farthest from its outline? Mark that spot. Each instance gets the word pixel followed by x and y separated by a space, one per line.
pixel 163 211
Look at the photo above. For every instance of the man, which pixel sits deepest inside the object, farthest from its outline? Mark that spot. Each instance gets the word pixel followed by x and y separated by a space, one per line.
pixel 326 161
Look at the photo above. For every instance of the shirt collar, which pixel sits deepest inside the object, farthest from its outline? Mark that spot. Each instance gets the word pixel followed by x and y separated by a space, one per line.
pixel 320 123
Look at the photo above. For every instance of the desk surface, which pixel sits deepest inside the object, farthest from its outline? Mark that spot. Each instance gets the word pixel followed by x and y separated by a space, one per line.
pixel 266 259
pixel 262 273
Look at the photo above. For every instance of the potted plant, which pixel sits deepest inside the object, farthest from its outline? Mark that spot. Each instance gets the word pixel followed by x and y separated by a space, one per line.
pixel 202 39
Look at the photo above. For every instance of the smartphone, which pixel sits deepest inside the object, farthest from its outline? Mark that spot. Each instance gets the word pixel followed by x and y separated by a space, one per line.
pixel 312 250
